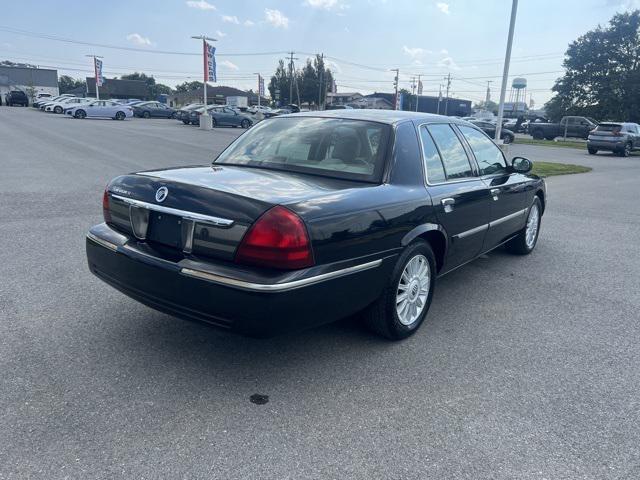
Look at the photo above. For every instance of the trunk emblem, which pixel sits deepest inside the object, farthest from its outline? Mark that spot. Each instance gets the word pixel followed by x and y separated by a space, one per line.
pixel 161 194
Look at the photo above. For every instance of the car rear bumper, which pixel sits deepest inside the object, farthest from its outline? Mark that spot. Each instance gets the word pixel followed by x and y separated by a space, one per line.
pixel 233 297
pixel 606 145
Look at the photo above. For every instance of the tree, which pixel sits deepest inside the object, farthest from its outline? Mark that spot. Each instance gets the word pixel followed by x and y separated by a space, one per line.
pixel 488 106
pixel 602 78
pixel 189 86
pixel 155 89
pixel 310 83
pixel 67 83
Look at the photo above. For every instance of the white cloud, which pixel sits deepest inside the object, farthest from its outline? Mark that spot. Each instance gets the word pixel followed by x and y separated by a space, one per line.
pixel 443 7
pixel 230 19
pixel 444 51
pixel 138 39
pixel 415 52
pixel 248 23
pixel 333 66
pixel 229 65
pixel 276 18
pixel 220 34
pixel 200 5
pixel 448 63
pixel 325 4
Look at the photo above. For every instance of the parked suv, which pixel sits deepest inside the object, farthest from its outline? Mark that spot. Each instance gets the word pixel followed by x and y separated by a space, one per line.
pixel 16 97
pixel 621 138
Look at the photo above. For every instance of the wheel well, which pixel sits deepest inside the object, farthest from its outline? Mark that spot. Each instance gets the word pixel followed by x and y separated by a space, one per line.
pixel 540 195
pixel 438 244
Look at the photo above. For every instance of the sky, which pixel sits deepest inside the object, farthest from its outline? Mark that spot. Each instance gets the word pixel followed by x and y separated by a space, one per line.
pixel 362 39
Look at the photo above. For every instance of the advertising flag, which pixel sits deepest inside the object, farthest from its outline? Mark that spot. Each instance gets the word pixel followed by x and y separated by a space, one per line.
pixel 209 62
pixel 98 71
pixel 419 87
pixel 261 86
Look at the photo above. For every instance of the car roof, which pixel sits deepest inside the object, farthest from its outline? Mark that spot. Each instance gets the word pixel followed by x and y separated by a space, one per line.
pixel 383 116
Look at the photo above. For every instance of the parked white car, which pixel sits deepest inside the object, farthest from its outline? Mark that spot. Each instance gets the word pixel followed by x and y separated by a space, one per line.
pixel 60 105
pixel 100 109
pixel 256 109
pixel 41 103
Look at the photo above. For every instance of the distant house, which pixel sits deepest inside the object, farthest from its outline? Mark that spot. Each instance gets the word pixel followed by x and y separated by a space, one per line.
pixel 29 80
pixel 215 96
pixel 114 88
pixel 342 98
pixel 376 103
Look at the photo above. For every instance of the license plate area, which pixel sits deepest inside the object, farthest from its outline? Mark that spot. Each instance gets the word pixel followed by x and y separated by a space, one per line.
pixel 165 229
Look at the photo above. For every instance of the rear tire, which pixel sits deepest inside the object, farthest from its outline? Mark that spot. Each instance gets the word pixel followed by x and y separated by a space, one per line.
pixel 120 116
pixel 58 109
pixel 405 301
pixel 146 114
pixel 537 135
pixel 213 123
pixel 245 123
pixel 550 138
pixel 526 240
pixel 186 122
pixel 626 151
pixel 80 114
pixel 592 151
pixel 508 139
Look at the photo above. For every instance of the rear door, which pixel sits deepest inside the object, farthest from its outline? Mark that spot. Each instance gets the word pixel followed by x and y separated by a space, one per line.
pixel 508 190
pixel 460 197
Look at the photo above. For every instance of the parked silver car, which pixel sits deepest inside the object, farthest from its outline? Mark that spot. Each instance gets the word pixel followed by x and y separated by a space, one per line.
pixel 618 137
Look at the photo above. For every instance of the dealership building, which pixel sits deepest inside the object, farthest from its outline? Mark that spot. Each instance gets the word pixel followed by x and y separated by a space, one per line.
pixel 28 79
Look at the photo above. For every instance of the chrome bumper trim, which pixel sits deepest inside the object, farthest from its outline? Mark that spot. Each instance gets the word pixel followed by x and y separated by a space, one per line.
pixel 111 246
pixel 198 217
pixel 278 287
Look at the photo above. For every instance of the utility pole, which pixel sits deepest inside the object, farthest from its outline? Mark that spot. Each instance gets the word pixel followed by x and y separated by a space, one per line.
pixel 505 73
pixel 321 74
pixel 439 98
pixel 488 98
pixel 395 84
pixel 291 59
pixel 419 93
pixel 95 72
pixel 205 118
pixel 446 105
pixel 259 82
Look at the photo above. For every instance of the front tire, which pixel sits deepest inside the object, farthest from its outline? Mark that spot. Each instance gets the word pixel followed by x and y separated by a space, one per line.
pixel 120 116
pixel 58 110
pixel 526 240
pixel 80 114
pixel 405 301
pixel 626 151
pixel 214 123
pixel 508 139
pixel 245 123
pixel 146 115
pixel 592 151
pixel 537 135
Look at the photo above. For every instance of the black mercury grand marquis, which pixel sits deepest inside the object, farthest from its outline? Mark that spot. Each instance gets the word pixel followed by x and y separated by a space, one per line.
pixel 307 218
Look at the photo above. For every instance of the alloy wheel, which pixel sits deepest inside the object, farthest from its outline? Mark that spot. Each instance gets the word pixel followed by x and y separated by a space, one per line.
pixel 533 223
pixel 413 290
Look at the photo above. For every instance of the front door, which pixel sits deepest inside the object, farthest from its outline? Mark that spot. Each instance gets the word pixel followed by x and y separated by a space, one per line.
pixel 461 199
pixel 507 189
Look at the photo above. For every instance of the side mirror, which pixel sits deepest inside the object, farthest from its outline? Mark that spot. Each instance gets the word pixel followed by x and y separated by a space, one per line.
pixel 521 164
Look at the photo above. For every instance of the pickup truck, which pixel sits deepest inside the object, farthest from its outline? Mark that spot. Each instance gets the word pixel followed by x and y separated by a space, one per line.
pixel 577 127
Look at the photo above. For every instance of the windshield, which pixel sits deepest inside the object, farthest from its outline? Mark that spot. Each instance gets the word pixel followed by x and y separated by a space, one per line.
pixel 349 149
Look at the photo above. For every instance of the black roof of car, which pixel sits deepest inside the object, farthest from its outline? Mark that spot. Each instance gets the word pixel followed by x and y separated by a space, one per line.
pixel 383 116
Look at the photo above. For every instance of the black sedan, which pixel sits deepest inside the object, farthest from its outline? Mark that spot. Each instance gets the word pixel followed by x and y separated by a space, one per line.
pixel 311 217
pixel 153 109
pixel 506 135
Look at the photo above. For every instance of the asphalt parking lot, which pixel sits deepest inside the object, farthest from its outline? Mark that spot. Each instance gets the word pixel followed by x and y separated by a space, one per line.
pixel 525 368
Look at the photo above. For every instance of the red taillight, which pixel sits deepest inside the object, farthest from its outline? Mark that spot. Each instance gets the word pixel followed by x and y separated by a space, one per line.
pixel 278 239
pixel 106 212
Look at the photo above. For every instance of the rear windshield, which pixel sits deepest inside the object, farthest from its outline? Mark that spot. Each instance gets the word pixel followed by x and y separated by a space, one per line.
pixel 609 127
pixel 349 149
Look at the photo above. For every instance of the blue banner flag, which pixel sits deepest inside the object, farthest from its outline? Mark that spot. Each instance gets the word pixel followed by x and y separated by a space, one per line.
pixel 209 62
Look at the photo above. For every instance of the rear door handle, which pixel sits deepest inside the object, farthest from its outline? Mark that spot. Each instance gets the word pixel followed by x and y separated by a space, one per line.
pixel 447 203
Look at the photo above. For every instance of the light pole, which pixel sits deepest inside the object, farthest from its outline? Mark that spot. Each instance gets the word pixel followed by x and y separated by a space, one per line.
pixel 396 103
pixel 505 72
pixel 205 118
pixel 258 88
pixel 95 73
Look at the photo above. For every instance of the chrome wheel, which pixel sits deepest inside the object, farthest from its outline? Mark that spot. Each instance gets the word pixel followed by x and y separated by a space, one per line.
pixel 533 223
pixel 413 290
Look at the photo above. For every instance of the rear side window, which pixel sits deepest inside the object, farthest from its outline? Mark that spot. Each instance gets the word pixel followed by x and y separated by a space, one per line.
pixel 489 157
pixel 454 157
pixel 432 161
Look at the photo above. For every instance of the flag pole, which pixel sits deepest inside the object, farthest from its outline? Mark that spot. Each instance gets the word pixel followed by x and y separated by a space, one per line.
pixel 95 74
pixel 205 118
